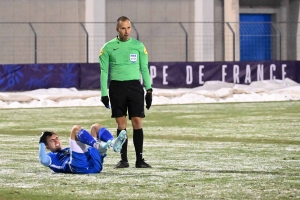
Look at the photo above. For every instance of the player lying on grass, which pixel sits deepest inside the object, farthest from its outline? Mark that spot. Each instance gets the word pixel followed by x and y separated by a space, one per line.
pixel 86 152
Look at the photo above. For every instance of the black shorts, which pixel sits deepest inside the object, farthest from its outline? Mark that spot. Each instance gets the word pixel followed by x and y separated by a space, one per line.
pixel 126 96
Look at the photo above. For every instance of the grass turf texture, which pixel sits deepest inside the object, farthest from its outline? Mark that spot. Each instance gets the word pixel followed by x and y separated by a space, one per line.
pixel 200 151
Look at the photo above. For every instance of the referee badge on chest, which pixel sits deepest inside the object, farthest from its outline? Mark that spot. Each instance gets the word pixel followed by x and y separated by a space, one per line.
pixel 133 58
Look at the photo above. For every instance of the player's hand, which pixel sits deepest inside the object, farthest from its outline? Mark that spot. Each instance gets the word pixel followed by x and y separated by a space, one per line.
pixel 148 98
pixel 105 101
pixel 41 138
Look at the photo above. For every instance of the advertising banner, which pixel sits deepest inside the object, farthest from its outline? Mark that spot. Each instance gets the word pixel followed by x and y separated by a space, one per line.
pixel 163 74
pixel 194 74
pixel 38 76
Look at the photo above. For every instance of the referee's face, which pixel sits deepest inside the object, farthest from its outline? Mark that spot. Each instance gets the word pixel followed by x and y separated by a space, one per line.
pixel 124 30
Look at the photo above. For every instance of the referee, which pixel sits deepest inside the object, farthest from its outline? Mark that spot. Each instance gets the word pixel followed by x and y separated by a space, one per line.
pixel 127 59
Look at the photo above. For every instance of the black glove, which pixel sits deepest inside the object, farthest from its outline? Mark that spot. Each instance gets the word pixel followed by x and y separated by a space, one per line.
pixel 105 101
pixel 148 98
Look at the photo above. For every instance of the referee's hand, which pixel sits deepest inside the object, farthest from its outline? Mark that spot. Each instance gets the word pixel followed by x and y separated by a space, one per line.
pixel 105 101
pixel 148 98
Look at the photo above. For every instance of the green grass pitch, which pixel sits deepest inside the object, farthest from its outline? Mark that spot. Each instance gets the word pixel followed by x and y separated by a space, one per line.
pixel 198 151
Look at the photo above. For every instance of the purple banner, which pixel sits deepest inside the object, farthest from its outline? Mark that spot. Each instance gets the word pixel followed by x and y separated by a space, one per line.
pixel 163 74
pixel 194 74
pixel 37 76
pixel 90 76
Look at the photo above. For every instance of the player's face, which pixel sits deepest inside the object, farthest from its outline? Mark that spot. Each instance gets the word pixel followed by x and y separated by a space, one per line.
pixel 53 143
pixel 124 30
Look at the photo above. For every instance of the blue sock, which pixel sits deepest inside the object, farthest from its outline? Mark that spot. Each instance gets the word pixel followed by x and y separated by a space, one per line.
pixel 85 137
pixel 104 135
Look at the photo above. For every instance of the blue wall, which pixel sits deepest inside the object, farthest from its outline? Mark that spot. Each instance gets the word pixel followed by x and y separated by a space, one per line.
pixel 255 41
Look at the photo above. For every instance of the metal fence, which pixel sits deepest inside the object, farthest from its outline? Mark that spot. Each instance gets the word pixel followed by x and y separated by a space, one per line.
pixel 165 42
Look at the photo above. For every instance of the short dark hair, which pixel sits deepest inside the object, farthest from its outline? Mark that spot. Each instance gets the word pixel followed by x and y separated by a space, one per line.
pixel 122 18
pixel 44 136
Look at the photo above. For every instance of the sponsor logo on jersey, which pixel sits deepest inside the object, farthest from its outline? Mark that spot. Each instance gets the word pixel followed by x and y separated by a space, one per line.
pixel 66 152
pixel 145 50
pixel 133 58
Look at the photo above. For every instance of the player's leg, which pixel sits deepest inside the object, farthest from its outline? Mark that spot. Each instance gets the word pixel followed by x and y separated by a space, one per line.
pixel 104 135
pixel 78 150
pixel 136 113
pixel 82 135
pixel 84 160
pixel 101 133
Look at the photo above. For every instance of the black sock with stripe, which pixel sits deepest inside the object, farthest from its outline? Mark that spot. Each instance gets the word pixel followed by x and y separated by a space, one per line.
pixel 138 141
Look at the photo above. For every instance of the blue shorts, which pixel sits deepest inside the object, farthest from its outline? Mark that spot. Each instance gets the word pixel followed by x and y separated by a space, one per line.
pixel 86 163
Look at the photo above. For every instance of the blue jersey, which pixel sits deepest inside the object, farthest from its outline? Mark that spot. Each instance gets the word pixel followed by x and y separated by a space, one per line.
pixel 60 160
pixel 66 161
pixel 81 163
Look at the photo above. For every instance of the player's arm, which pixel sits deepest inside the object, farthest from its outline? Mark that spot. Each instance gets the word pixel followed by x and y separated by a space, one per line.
pixel 104 64
pixel 144 67
pixel 43 157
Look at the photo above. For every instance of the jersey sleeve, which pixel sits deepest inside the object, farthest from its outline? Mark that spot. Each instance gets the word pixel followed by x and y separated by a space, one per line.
pixel 43 157
pixel 104 65
pixel 144 67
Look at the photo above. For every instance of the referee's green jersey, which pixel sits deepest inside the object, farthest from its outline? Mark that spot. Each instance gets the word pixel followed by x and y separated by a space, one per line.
pixel 127 61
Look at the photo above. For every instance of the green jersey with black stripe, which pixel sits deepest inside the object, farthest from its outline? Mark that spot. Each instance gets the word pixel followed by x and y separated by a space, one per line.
pixel 126 60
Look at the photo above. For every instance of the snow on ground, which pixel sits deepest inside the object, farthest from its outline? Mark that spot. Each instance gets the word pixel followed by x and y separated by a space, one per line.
pixel 210 92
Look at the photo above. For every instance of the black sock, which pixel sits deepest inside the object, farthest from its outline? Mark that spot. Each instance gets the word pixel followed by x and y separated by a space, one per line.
pixel 124 148
pixel 138 141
